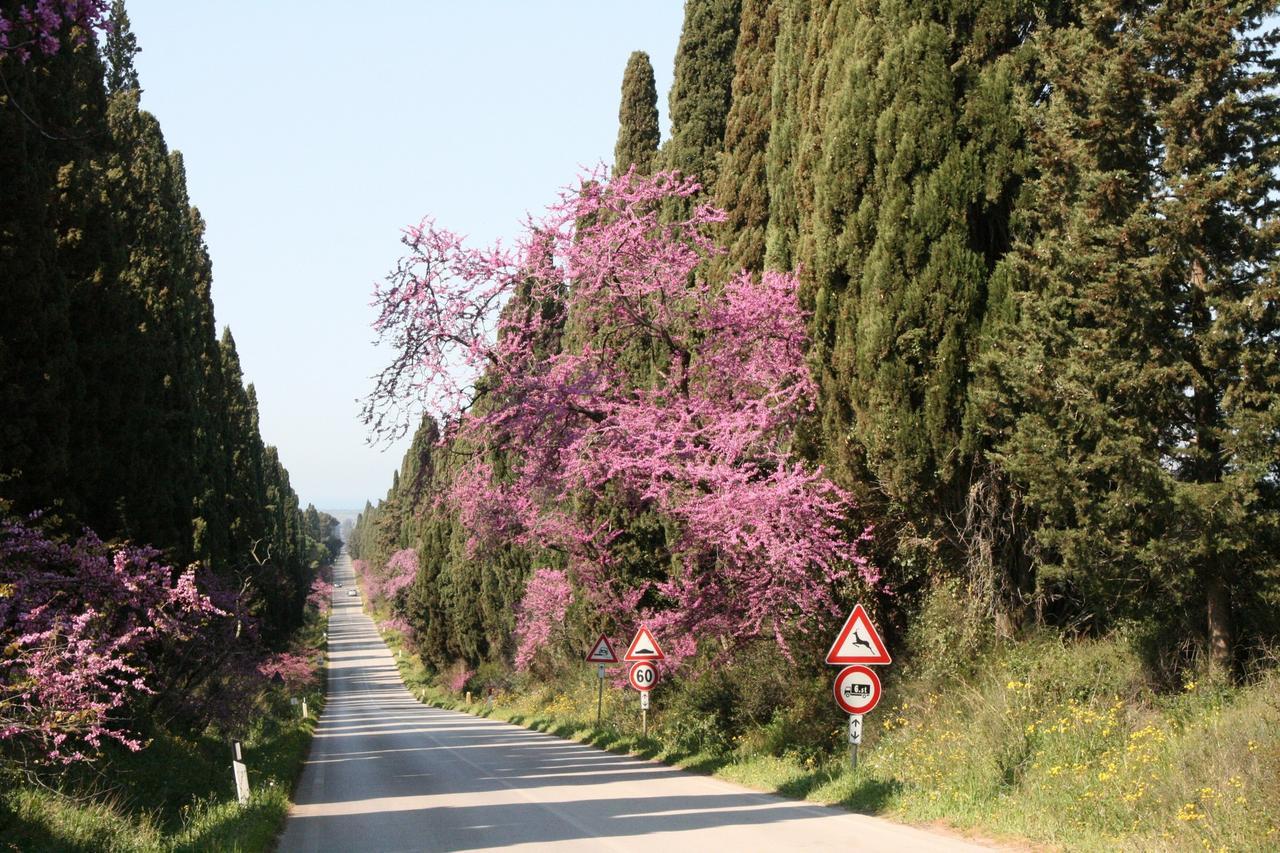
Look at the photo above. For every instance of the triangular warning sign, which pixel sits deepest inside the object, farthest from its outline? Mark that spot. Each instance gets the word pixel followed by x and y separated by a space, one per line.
pixel 859 642
pixel 602 652
pixel 644 647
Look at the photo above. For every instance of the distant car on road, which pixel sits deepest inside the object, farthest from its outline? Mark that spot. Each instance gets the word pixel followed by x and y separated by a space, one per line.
pixel 337 586
pixel 351 593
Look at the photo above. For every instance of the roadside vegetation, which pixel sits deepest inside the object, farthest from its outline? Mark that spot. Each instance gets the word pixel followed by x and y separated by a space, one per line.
pixel 177 793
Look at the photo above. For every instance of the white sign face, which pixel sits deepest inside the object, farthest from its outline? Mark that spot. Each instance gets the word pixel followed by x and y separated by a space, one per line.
pixel 855 729
pixel 600 671
pixel 857 689
pixel 642 676
pixel 644 701
pixel 858 642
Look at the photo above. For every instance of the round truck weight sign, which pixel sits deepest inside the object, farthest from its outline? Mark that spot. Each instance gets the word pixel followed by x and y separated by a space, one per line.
pixel 857 689
pixel 642 676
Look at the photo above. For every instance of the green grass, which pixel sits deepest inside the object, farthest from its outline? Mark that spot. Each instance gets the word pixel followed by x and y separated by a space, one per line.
pixel 175 795
pixel 1063 744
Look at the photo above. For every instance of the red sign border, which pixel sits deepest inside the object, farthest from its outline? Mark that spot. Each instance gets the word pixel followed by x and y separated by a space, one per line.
pixel 644 629
pixel 613 654
pixel 631 675
pixel 875 695
pixel 881 658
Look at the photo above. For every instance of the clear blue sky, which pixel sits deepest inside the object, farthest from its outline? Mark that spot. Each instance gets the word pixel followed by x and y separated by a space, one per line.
pixel 313 132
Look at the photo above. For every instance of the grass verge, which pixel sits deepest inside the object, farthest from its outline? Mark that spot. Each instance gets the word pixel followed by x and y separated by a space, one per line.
pixel 177 794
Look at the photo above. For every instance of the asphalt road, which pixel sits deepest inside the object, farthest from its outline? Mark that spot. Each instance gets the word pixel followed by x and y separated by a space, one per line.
pixel 387 773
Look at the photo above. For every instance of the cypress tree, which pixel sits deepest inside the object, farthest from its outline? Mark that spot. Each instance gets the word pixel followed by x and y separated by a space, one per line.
pixel 1141 368
pixel 638 133
pixel 120 49
pixel 701 88
pixel 742 188
pixel 900 219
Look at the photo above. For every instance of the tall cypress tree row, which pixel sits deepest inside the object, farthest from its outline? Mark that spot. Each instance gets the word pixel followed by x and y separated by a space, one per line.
pixel 121 411
pixel 638 133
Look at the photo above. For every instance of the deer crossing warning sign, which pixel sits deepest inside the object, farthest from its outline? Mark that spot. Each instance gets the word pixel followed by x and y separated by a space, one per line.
pixel 858 642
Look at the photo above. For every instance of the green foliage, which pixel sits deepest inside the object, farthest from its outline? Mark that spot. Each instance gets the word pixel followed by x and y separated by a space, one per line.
pixel 742 187
pixel 120 49
pixel 638 133
pixel 121 407
pixel 700 90
pixel 1134 392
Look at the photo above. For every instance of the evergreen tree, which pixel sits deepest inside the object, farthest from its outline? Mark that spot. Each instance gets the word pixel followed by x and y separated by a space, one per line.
pixel 1141 369
pixel 700 91
pixel 742 187
pixel 638 134
pixel 121 47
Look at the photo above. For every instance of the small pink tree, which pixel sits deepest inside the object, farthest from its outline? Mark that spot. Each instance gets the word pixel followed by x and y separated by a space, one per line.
pixel 547 597
pixel 321 595
pixel 759 534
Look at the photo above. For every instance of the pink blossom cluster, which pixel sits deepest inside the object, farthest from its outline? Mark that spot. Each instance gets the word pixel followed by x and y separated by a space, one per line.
pixel 297 670
pixel 321 595
pixel 39 27
pixel 543 333
pixel 385 585
pixel 547 596
pixel 83 627
pixel 457 677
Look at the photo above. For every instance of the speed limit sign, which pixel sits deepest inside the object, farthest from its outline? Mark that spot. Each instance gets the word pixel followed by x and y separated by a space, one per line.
pixel 642 676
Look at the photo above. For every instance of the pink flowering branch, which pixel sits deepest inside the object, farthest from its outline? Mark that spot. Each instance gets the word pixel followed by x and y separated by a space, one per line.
pixel 761 536
pixel 40 27
pixel 542 609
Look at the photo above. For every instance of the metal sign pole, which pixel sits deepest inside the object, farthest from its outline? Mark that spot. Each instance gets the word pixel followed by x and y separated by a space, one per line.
pixel 600 694
pixel 644 722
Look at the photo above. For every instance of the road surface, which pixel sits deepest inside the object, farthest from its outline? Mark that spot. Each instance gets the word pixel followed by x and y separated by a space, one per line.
pixel 387 773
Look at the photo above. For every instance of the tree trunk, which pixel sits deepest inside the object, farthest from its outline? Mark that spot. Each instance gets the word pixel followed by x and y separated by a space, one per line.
pixel 1219 624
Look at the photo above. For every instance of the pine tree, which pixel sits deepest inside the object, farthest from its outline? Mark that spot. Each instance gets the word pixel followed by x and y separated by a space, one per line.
pixel 638 134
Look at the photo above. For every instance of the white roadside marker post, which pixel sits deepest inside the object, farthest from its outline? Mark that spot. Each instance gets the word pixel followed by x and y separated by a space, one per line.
pixel 240 772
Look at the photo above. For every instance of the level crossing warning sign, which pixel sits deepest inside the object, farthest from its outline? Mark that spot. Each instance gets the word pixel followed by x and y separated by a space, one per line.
pixel 858 642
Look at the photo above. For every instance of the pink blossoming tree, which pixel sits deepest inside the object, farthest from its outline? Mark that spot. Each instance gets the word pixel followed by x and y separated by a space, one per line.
pixel 83 628
pixel 479 339
pixel 547 597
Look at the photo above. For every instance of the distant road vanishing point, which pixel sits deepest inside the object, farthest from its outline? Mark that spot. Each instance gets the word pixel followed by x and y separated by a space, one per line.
pixel 387 773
